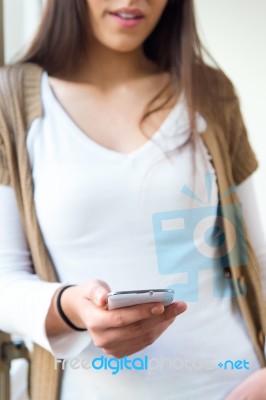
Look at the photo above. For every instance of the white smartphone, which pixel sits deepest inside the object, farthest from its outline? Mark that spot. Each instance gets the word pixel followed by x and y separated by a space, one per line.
pixel 133 297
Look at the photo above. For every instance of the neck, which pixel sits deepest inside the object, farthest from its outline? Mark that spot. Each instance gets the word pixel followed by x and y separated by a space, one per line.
pixel 108 68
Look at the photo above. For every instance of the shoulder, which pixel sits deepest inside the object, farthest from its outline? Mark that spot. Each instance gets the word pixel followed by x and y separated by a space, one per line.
pixel 19 75
pixel 219 103
pixel 20 92
pixel 215 95
pixel 21 68
pixel 218 83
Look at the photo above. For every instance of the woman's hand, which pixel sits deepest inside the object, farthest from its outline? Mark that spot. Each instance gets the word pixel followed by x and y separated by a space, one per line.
pixel 253 388
pixel 118 332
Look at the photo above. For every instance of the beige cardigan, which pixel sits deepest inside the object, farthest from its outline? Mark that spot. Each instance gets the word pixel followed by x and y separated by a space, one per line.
pixel 233 159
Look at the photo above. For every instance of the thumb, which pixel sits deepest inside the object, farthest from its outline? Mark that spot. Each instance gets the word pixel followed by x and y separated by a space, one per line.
pixel 97 291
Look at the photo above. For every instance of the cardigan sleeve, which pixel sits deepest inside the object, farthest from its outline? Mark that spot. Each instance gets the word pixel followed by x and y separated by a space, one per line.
pixel 243 159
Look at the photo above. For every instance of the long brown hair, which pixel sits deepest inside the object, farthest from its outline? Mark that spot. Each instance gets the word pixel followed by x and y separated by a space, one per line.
pixel 174 45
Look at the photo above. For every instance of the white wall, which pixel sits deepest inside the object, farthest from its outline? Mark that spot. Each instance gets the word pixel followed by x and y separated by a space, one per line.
pixel 234 31
pixel 21 19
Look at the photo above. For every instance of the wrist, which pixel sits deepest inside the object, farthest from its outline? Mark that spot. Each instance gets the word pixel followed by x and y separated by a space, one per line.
pixel 67 307
pixel 54 325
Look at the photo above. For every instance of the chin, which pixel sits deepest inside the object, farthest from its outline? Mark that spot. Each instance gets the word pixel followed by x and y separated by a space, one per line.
pixel 124 47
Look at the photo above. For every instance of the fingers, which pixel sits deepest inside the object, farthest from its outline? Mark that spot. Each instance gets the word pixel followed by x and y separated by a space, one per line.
pixel 143 326
pixel 136 320
pixel 129 315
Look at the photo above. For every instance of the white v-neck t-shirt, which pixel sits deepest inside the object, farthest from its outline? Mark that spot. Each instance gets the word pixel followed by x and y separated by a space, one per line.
pixel 124 218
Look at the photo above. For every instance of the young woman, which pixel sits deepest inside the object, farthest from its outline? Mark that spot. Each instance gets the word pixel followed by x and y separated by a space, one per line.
pixel 123 158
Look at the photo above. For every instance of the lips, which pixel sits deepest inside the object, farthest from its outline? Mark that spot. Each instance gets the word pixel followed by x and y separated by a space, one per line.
pixel 128 13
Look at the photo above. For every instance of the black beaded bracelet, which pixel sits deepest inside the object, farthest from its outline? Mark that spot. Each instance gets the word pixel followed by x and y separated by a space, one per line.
pixel 61 312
